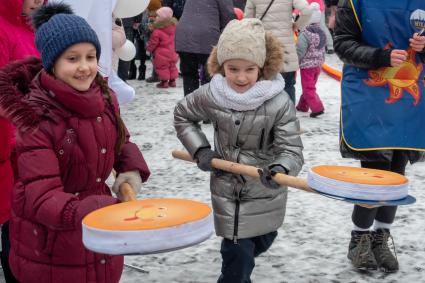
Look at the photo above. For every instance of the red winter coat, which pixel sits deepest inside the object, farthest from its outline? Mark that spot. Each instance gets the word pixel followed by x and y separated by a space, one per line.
pixel 65 151
pixel 16 42
pixel 161 44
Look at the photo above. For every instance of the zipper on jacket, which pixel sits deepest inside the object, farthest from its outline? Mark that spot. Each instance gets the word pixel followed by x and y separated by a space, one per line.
pixel 237 199
pixel 261 142
pixel 235 231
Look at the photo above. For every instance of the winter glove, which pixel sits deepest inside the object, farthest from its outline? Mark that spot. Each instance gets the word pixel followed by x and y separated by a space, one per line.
pixel 203 158
pixel 266 174
pixel 89 204
pixel 131 177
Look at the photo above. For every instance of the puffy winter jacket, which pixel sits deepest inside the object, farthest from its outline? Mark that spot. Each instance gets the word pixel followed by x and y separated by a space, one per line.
pixel 65 152
pixel 201 24
pixel 161 44
pixel 268 135
pixel 278 20
pixel 16 42
pixel 351 50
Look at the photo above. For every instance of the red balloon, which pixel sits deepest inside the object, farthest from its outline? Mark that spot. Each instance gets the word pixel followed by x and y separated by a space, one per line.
pixel 239 13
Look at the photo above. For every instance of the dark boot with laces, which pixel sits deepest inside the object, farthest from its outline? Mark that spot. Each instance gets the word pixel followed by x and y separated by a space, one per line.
pixel 360 251
pixel 386 259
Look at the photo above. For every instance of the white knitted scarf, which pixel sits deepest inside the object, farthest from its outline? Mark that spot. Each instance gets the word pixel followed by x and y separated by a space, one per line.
pixel 262 91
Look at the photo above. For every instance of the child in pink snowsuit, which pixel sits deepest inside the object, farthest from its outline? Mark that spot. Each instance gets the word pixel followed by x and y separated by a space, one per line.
pixel 311 53
pixel 161 44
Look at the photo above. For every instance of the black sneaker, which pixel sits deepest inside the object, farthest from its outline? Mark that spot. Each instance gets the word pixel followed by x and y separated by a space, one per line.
pixel 316 114
pixel 386 260
pixel 360 251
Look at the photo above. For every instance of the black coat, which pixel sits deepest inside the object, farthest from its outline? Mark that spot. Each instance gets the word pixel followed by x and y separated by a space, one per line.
pixel 351 50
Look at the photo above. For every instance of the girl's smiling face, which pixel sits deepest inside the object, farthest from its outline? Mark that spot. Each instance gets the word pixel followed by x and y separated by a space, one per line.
pixel 77 66
pixel 241 74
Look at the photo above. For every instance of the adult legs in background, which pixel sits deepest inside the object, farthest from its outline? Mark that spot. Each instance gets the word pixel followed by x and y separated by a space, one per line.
pixel 4 255
pixel 289 78
pixel 189 68
pixel 367 249
pixel 124 66
pixel 141 55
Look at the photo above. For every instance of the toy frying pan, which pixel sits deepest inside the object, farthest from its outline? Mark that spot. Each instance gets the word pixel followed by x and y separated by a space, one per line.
pixel 370 186
pixel 146 226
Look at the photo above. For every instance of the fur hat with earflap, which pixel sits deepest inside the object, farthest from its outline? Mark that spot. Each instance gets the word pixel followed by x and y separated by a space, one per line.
pixel 246 39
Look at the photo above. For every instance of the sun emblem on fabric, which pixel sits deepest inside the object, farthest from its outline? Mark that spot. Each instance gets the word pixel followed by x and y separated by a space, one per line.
pixel 401 79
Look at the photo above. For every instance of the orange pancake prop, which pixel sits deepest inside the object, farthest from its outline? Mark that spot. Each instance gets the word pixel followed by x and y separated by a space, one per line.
pixel 361 186
pixel 147 226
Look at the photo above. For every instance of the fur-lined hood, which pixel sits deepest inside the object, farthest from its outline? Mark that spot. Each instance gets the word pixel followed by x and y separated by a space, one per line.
pixel 164 23
pixel 272 66
pixel 15 81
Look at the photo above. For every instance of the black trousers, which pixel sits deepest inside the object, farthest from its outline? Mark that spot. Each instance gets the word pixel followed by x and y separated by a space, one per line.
pixel 124 66
pixel 289 78
pixel 140 55
pixel 189 68
pixel 238 259
pixel 364 217
pixel 4 255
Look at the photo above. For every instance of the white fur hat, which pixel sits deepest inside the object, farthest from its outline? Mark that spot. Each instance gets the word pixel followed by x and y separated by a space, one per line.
pixel 316 14
pixel 244 39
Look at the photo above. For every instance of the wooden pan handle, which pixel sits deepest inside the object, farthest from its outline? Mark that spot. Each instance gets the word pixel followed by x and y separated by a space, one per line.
pixel 247 170
pixel 251 171
pixel 127 192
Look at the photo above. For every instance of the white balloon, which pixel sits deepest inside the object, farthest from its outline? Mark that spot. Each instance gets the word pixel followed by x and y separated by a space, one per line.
pixel 130 8
pixel 127 52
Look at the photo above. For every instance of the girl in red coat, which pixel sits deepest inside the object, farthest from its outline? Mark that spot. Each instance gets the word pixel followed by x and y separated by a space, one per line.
pixel 161 44
pixel 16 42
pixel 69 138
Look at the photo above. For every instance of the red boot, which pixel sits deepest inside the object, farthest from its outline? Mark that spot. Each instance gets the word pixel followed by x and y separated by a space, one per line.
pixel 172 83
pixel 162 84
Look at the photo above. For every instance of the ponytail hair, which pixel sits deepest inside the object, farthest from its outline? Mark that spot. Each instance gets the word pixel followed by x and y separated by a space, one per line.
pixel 121 132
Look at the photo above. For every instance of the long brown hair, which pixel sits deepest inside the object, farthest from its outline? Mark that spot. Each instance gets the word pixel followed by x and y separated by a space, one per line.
pixel 119 122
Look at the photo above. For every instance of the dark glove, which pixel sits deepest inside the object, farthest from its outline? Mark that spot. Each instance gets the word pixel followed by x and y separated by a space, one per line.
pixel 266 174
pixel 203 158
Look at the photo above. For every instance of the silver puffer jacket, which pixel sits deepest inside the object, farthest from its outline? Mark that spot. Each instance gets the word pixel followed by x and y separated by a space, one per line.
pixel 268 135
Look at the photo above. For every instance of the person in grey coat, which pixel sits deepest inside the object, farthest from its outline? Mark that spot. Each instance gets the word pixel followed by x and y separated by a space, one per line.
pixel 197 32
pixel 254 124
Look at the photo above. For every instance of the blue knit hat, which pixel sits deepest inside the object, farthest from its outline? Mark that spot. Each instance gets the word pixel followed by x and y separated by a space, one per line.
pixel 57 28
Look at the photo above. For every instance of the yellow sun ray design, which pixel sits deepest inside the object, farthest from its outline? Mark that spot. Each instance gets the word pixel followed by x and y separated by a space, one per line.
pixel 399 79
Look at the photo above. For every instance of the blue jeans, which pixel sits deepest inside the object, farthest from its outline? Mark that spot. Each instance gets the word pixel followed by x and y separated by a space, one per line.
pixel 238 259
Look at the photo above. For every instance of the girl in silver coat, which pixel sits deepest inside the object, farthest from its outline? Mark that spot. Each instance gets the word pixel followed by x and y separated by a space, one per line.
pixel 255 124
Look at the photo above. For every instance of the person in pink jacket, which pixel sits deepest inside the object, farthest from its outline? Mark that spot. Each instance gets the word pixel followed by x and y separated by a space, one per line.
pixel 161 44
pixel 16 42
pixel 69 137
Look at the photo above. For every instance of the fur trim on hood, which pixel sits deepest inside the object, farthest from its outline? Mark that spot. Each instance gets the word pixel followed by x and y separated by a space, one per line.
pixel 15 80
pixel 164 23
pixel 272 66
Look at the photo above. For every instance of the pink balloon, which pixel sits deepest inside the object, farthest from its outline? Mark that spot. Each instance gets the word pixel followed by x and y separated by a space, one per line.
pixel 239 13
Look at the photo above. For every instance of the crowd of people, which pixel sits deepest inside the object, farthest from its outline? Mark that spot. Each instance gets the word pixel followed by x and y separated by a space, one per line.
pixel 56 109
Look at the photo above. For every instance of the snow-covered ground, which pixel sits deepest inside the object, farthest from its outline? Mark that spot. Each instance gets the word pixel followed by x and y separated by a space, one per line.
pixel 313 241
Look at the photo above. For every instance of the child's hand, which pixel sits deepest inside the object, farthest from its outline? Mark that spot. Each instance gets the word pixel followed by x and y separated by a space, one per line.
pixel 266 174
pixel 417 42
pixel 203 159
pixel 398 57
